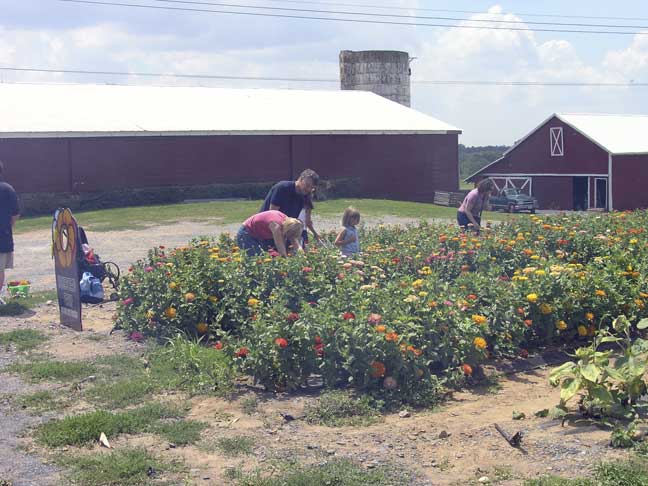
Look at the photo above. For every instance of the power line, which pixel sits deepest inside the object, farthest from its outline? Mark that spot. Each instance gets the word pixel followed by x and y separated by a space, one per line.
pixel 323 80
pixel 362 21
pixel 382 15
pixel 472 12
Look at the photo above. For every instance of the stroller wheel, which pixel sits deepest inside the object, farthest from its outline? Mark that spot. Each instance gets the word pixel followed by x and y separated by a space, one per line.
pixel 112 272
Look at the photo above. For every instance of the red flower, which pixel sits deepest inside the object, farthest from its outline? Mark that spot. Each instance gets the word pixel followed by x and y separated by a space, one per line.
pixel 242 352
pixel 347 316
pixel 161 247
pixel 374 319
pixel 128 301
pixel 504 278
pixel 524 354
pixel 319 350
pixel 136 336
pixel 472 296
pixel 218 345
pixel 395 260
pixel 281 342
pixel 293 316
pixel 307 269
pixel 318 340
pixel 467 369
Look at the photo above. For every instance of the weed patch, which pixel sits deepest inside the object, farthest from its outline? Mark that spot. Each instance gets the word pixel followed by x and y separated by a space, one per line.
pixel 339 472
pixel 180 432
pixel 232 446
pixel 39 402
pixel 87 427
pixel 21 339
pixel 249 405
pixel 48 370
pixel 125 467
pixel 340 408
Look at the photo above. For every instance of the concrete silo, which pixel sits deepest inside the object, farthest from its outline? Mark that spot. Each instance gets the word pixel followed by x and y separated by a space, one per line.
pixel 386 73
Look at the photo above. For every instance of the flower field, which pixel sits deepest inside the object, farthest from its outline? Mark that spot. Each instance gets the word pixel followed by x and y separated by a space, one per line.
pixel 421 305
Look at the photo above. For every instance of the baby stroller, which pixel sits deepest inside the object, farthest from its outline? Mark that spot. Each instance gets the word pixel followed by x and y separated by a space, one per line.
pixel 89 262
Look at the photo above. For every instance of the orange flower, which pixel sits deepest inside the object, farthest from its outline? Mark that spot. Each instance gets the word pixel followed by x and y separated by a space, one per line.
pixel 189 297
pixel 589 316
pixel 202 327
pixel 600 293
pixel 378 369
pixel 170 312
pixel 582 331
pixel 479 342
pixel 528 322
pixel 381 328
pixel 479 319
pixel 415 351
pixel 391 336
pixel 467 369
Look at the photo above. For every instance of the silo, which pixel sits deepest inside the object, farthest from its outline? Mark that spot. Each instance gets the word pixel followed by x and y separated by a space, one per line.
pixel 386 73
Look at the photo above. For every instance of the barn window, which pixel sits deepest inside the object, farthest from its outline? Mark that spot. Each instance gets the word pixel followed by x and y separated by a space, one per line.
pixel 556 140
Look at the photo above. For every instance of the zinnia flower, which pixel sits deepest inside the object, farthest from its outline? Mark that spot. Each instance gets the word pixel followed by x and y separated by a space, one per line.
pixel 545 309
pixel 589 316
pixel 479 319
pixel 561 325
pixel 390 383
pixel 467 369
pixel 600 293
pixel 218 345
pixel 378 369
pixel 190 297
pixel 128 301
pixel 252 302
pixel 582 331
pixel 532 298
pixel 380 328
pixel 523 353
pixel 479 342
pixel 374 318
pixel 347 316
pixel 307 269
pixel 170 312
pixel 292 317
pixel 136 336
pixel 391 336
pixel 242 352
pixel 281 342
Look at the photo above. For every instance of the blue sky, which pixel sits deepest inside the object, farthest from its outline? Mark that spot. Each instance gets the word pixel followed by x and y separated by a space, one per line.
pixel 57 35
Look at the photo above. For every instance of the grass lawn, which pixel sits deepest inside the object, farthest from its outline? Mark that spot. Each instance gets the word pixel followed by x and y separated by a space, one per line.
pixel 226 212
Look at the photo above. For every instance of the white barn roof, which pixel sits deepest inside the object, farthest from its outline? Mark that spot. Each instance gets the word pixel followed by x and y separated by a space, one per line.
pixel 59 110
pixel 617 134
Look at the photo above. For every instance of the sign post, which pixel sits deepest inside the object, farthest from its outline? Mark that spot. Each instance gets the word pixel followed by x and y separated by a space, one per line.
pixel 65 248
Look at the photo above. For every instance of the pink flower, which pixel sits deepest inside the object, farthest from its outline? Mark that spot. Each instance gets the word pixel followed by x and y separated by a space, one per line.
pixel 448 302
pixel 128 301
pixel 148 269
pixel 374 319
pixel 292 317
pixel 348 316
pixel 136 336
pixel 307 269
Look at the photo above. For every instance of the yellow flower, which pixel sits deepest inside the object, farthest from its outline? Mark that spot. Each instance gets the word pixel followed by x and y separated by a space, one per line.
pixel 600 293
pixel 532 298
pixel 213 299
pixel 545 309
pixel 150 314
pixel 479 319
pixel 479 342
pixel 417 283
pixel 589 316
pixel 540 273
pixel 535 257
pixel 634 241
pixel 582 331
pixel 252 302
pixel 561 325
pixel 170 312
pixel 173 285
pixel 410 298
pixel 423 294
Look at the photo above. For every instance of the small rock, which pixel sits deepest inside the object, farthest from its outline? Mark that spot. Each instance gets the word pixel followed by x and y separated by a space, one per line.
pixel 330 452
pixel 443 434
pixel 404 414
pixel 172 445
pixel 312 446
pixel 484 480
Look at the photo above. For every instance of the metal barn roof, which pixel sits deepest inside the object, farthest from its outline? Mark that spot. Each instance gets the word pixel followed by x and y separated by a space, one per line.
pixel 59 110
pixel 617 134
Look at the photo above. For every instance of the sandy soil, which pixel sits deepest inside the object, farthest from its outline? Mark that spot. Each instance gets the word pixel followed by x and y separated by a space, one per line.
pixel 453 445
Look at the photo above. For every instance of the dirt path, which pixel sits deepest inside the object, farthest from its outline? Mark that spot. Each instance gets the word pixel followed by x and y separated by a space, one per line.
pixel 33 260
pixel 453 445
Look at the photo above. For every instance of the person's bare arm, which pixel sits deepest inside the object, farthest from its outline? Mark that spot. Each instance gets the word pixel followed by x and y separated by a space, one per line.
pixel 14 219
pixel 309 224
pixel 342 240
pixel 469 214
pixel 277 236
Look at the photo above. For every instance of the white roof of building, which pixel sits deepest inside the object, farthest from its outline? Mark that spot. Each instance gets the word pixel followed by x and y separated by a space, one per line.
pixel 63 110
pixel 617 134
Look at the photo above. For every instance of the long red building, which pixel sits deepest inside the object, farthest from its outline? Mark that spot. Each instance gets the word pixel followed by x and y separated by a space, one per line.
pixel 86 138
pixel 579 161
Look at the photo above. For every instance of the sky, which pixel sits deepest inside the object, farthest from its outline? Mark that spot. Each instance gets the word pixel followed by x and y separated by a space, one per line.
pixel 64 35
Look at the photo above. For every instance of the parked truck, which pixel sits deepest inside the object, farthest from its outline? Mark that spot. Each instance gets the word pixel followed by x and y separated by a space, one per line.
pixel 513 201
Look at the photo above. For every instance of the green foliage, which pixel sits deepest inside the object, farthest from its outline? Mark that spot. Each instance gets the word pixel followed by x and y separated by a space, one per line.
pixel 425 305
pixel 235 446
pixel 86 428
pixel 341 408
pixel 180 432
pixel 40 401
pixel 122 467
pixel 609 387
pixel 22 339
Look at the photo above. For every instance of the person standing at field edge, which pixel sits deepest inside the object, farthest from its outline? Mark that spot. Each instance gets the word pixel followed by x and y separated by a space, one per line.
pixel 290 197
pixel 8 216
pixel 469 213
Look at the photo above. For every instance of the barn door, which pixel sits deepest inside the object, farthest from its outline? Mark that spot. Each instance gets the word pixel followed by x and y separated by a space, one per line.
pixel 522 184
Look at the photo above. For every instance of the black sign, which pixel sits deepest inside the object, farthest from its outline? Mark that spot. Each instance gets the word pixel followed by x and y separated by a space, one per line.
pixel 65 248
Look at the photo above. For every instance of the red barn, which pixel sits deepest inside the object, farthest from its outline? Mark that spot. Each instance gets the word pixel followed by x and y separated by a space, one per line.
pixel 579 162
pixel 89 138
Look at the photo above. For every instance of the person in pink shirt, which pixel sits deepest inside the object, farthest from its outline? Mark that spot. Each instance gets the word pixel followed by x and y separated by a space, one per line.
pixel 469 213
pixel 269 228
